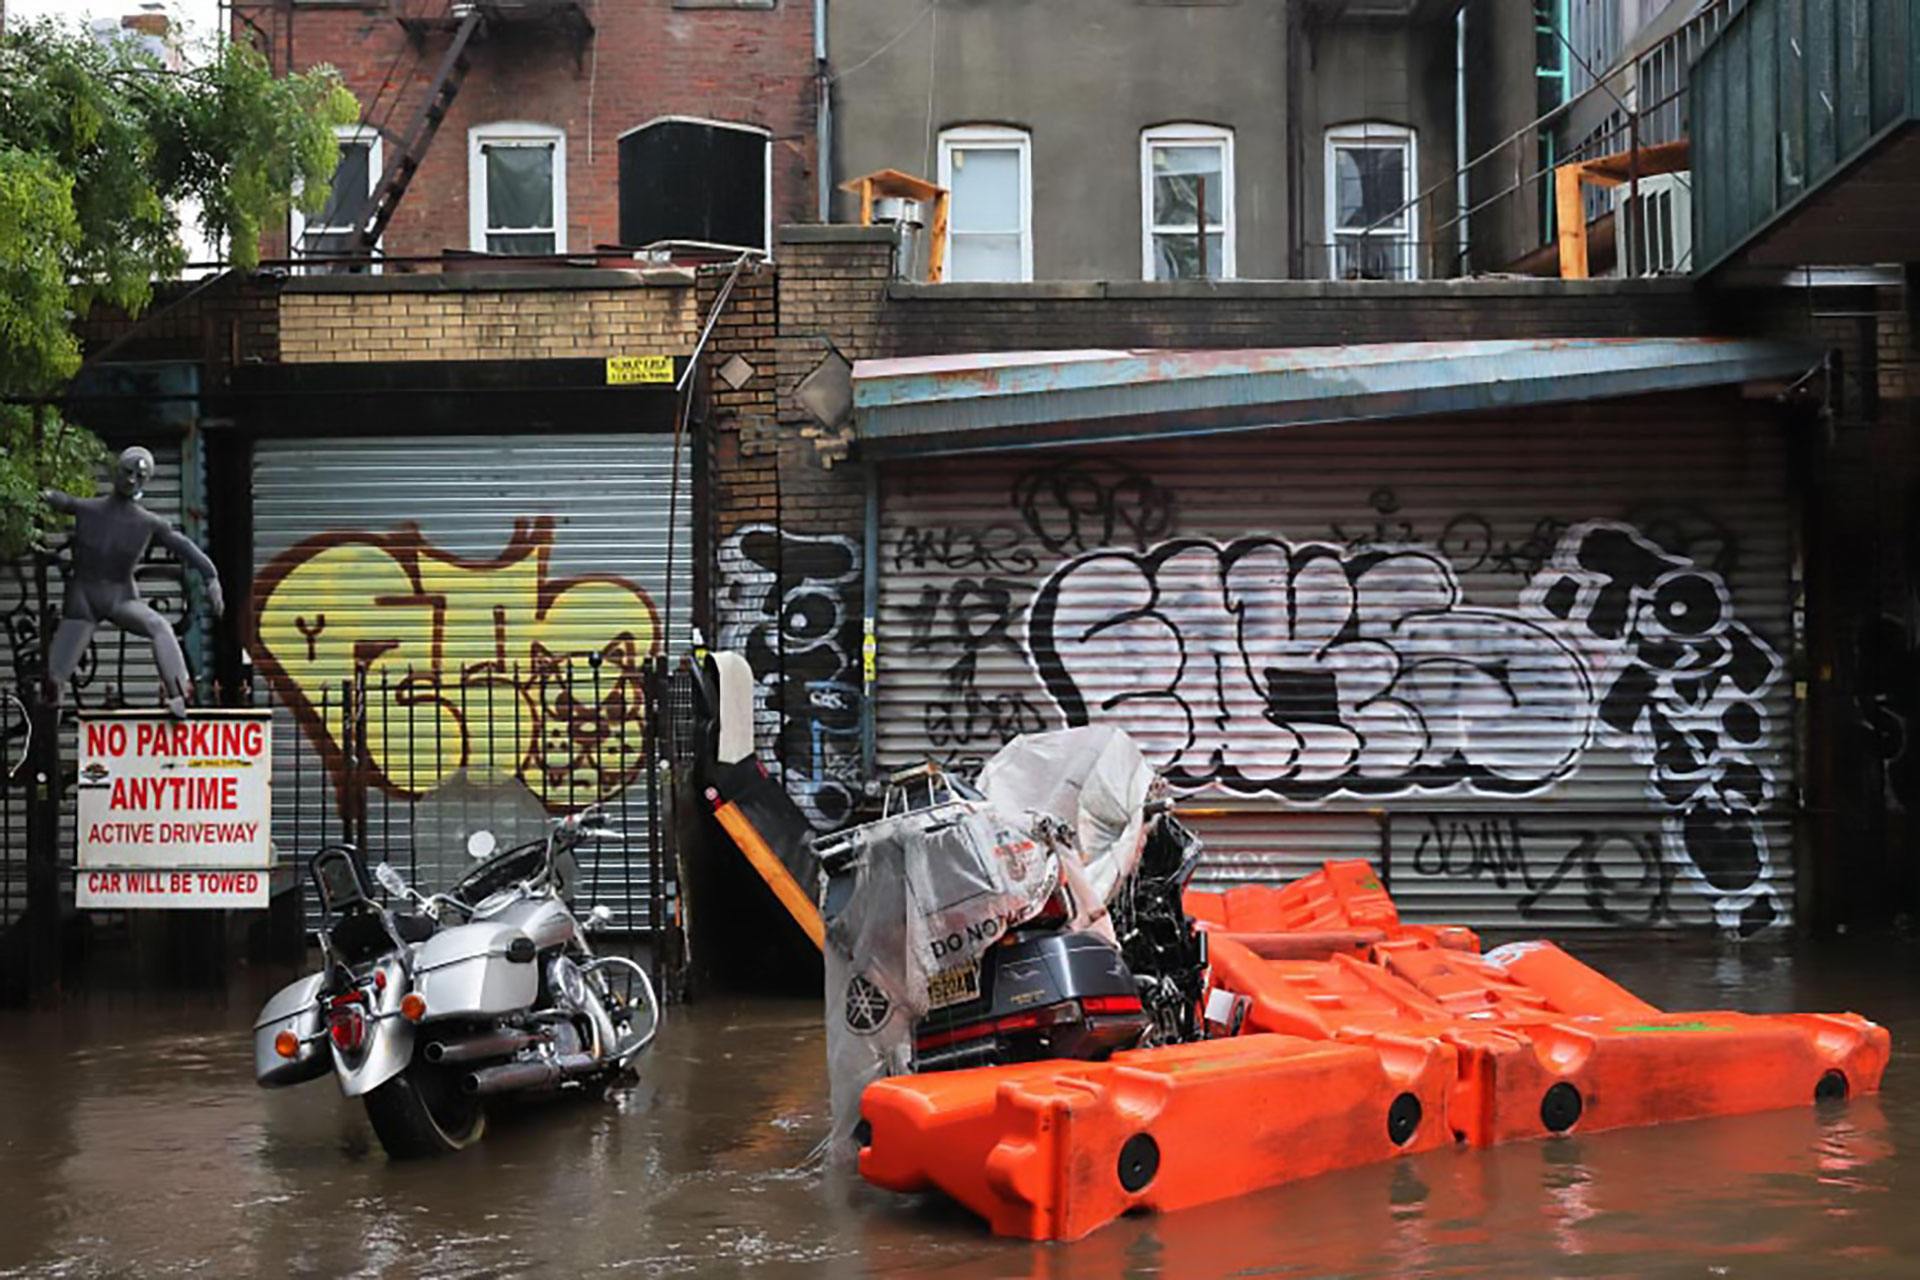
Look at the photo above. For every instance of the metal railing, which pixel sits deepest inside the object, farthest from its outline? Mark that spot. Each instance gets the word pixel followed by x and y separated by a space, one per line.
pixel 1649 90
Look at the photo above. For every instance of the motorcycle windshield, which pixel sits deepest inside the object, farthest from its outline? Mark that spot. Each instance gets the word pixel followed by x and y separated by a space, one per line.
pixel 1093 779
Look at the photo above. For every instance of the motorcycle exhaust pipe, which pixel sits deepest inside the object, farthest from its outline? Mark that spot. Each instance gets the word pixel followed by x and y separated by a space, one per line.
pixel 512 1077
pixel 495 1045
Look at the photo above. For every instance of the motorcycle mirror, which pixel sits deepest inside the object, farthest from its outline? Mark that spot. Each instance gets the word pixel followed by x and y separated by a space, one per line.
pixel 390 880
pixel 481 844
pixel 600 917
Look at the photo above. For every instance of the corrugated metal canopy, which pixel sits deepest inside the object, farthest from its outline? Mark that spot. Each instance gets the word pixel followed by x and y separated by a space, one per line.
pixel 959 404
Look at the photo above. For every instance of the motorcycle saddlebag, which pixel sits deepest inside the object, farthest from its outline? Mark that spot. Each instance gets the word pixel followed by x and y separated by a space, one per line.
pixel 294 1008
pixel 477 971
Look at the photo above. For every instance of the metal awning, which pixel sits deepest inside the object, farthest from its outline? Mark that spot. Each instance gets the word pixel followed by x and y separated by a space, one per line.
pixel 1034 399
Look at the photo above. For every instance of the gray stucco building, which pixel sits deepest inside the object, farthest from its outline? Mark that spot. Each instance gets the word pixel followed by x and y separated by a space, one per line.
pixel 1082 138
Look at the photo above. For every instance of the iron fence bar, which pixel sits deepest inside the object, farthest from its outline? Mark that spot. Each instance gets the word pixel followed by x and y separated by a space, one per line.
pixel 413 777
pixel 650 737
pixel 386 754
pixel 599 854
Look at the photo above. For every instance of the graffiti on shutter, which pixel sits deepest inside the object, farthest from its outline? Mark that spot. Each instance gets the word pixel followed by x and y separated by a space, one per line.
pixel 1471 661
pixel 790 602
pixel 545 689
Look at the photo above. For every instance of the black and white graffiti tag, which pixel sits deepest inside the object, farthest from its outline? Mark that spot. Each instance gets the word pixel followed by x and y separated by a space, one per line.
pixel 1682 685
pixel 1308 670
pixel 1305 670
pixel 790 603
pixel 1077 504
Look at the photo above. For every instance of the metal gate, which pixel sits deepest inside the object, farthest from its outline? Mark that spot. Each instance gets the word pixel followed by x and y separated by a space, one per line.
pixel 460 633
pixel 1533 666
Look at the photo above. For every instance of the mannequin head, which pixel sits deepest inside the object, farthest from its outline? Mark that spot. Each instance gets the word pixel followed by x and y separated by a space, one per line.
pixel 131 473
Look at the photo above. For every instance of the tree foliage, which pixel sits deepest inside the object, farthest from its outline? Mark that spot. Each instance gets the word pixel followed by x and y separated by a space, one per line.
pixel 100 145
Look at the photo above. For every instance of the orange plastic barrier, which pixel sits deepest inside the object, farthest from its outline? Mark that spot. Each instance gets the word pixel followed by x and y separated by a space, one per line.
pixel 1529 1081
pixel 1341 896
pixel 1051 1151
pixel 1350 1037
pixel 1565 983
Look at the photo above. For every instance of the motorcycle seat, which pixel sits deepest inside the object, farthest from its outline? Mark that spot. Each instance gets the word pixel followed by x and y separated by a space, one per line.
pixel 412 926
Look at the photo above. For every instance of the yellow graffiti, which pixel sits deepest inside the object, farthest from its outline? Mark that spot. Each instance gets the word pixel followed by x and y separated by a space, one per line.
pixel 493 668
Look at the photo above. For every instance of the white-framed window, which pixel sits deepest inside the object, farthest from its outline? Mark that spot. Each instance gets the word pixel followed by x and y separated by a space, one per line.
pixel 1372 226
pixel 330 232
pixel 989 171
pixel 517 188
pixel 1186 171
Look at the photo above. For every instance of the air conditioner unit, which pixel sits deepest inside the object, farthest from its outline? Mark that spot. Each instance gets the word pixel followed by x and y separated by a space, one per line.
pixel 1662 224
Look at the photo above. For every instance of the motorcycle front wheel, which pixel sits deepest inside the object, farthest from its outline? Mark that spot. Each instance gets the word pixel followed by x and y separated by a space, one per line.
pixel 422 1112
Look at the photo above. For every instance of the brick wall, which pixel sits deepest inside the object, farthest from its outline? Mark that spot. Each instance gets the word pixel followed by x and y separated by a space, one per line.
pixel 231 321
pixel 647 58
pixel 481 317
pixel 949 319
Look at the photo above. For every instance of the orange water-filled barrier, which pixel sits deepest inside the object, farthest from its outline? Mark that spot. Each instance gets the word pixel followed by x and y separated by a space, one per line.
pixel 1359 1038
pixel 1052 1150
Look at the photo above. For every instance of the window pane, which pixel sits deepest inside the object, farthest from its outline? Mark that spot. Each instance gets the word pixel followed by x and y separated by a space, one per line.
pixel 520 242
pixel 985 257
pixel 1177 257
pixel 1177 175
pixel 1376 257
pixel 519 186
pixel 986 189
pixel 1370 184
pixel 347 200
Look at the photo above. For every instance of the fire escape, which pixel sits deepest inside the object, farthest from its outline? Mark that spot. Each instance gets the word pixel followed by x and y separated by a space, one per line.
pixel 464 24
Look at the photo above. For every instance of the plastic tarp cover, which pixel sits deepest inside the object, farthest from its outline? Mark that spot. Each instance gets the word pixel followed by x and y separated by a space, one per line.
pixel 934 888
pixel 1096 782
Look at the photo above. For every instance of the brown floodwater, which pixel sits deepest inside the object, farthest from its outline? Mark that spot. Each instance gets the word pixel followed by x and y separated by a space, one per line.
pixel 133 1142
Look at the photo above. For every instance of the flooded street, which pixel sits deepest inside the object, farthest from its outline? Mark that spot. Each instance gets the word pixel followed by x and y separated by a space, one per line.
pixel 134 1142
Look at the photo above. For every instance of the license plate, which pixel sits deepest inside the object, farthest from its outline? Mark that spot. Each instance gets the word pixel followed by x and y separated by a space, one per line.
pixel 954 986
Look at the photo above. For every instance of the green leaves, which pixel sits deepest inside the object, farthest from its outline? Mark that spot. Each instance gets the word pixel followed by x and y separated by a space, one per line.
pixel 100 146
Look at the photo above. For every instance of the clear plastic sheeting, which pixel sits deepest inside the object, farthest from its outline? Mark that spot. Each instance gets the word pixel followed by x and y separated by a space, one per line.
pixel 916 899
pixel 1096 782
pixel 931 890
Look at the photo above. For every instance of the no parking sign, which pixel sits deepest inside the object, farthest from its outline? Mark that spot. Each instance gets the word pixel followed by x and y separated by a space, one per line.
pixel 175 813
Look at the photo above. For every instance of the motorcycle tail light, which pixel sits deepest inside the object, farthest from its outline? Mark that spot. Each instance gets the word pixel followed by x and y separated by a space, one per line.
pixel 1111 1004
pixel 287 1045
pixel 348 1028
pixel 1057 911
pixel 379 979
pixel 413 1006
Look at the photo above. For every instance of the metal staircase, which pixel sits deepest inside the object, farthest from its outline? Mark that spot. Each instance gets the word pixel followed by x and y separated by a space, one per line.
pixel 398 173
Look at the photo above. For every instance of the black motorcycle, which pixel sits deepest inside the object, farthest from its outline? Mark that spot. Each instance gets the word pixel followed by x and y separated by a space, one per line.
pixel 1043 988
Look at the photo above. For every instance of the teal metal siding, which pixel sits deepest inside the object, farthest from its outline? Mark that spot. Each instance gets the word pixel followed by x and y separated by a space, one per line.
pixel 1791 93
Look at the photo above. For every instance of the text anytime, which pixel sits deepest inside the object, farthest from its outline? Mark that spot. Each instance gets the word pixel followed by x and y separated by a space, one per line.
pixel 178 794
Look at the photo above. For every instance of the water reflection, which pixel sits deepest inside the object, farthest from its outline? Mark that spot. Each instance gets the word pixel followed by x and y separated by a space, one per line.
pixel 133 1141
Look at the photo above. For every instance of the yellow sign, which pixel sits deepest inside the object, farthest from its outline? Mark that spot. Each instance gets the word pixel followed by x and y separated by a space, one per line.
pixel 625 371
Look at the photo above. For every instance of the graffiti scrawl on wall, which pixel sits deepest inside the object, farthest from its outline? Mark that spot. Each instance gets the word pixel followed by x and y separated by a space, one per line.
pixel 1353 665
pixel 1682 685
pixel 1307 671
pixel 494 669
pixel 791 603
pixel 1302 671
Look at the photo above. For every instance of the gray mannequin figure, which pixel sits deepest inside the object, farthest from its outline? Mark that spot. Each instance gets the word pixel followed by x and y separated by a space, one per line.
pixel 110 535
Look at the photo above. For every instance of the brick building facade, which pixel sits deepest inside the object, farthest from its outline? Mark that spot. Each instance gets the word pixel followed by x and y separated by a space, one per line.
pixel 590 70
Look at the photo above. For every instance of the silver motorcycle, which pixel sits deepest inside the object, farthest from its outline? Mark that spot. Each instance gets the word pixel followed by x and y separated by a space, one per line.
pixel 426 1005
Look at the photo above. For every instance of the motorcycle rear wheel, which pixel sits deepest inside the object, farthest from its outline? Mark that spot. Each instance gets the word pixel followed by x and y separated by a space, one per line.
pixel 422 1112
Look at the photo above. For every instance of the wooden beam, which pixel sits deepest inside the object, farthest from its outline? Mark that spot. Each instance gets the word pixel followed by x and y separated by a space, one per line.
pixel 1572 215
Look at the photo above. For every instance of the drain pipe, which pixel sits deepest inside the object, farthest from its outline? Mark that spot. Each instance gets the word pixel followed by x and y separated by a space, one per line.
pixel 869 622
pixel 1461 196
pixel 823 114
